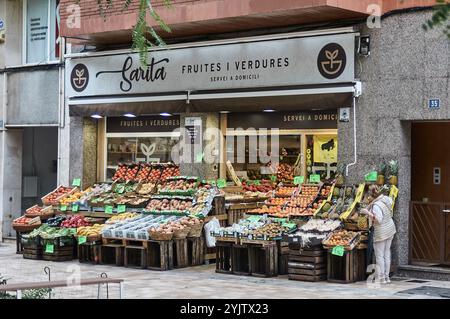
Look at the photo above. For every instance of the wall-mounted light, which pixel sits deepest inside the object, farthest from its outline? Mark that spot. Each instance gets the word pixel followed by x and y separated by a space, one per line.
pixel 224 112
pixel 96 116
pixel 129 115
pixel 364 45
pixel 269 110
pixel 165 114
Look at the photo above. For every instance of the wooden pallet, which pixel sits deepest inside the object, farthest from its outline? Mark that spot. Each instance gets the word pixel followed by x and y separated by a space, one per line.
pixel 307 277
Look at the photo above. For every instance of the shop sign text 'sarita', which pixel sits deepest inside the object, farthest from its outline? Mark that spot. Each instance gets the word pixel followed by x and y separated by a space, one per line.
pixel 285 62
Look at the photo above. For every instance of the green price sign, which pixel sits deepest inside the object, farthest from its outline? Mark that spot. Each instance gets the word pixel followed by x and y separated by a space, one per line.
pixel 82 240
pixel 76 182
pixel 75 207
pixel 314 178
pixel 211 182
pixel 371 177
pixel 121 208
pixel 221 183
pixel 299 180
pixel 199 158
pixel 257 182
pixel 63 208
pixel 338 251
pixel 289 225
pixel 49 248
pixel 108 209
pixel 273 178
pixel 254 218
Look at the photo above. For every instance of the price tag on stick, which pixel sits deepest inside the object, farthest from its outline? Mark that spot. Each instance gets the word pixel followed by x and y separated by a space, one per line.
pixel 75 207
pixel 63 208
pixel 299 180
pixel 338 251
pixel 221 183
pixel 49 248
pixel 121 208
pixel 314 178
pixel 108 209
pixel 82 240
pixel 76 182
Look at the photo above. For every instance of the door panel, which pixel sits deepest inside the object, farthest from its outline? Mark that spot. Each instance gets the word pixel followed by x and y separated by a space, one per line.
pixel 447 234
pixel 429 149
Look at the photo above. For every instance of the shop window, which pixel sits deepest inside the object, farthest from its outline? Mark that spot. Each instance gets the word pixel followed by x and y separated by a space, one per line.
pixel 252 156
pixel 321 155
pixel 41 27
pixel 138 149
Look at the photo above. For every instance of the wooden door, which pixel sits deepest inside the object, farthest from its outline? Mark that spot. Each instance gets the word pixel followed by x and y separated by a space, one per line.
pixel 430 148
pixel 447 234
pixel 430 221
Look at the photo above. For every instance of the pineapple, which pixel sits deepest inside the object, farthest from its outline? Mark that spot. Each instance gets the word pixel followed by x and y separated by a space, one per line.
pixel 393 172
pixel 340 179
pixel 381 174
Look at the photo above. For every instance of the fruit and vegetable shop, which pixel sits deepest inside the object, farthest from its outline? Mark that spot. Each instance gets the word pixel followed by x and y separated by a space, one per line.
pixel 234 163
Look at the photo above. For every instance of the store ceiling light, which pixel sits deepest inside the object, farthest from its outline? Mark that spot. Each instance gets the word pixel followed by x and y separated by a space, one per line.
pixel 224 112
pixel 165 114
pixel 129 115
pixel 268 110
pixel 96 116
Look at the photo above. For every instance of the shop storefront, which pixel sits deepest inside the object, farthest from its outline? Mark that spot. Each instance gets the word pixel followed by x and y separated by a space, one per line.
pixel 294 84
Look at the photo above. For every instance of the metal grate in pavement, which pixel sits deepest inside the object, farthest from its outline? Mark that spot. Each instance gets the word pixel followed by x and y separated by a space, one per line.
pixel 429 291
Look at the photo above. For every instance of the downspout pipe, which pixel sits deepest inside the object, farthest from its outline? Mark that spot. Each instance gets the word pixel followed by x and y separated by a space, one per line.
pixel 355 154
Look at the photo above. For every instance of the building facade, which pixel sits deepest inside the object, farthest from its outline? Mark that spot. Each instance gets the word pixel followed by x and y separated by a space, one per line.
pixel 398 95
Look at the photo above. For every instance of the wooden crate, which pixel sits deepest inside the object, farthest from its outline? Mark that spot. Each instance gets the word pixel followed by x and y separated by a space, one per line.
pixel 195 251
pixel 32 253
pixel 61 253
pixel 218 206
pixel 263 259
pixel 223 257
pixel 361 264
pixel 283 259
pixel 112 254
pixel 240 260
pixel 135 256
pixel 160 255
pixel 342 269
pixel 237 212
pixel 307 264
pixel 180 253
pixel 89 252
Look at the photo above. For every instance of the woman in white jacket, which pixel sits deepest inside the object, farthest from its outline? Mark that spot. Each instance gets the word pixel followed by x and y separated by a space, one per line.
pixel 380 214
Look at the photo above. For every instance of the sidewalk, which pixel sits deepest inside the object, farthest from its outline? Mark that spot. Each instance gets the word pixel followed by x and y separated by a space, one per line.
pixel 194 282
